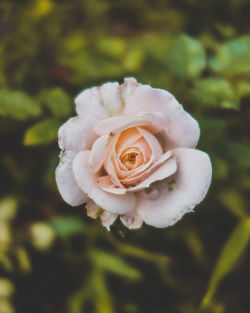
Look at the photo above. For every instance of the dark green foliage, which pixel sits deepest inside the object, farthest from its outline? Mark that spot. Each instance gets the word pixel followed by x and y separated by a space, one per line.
pixel 53 258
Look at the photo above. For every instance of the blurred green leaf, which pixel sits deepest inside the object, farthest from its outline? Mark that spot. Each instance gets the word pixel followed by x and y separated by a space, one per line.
pixel 215 92
pixel 18 105
pixel 233 200
pixel 8 208
pixel 112 46
pixel 43 132
pixel 6 288
pixel 58 102
pixel 23 260
pixel 232 58
pixel 237 153
pixel 186 58
pixel 67 225
pixel 41 236
pixel 101 295
pixel 228 258
pixel 114 264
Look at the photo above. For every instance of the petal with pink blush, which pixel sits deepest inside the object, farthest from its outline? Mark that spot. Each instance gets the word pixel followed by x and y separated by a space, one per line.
pixel 77 133
pixel 152 142
pixel 97 153
pixel 88 103
pixel 144 171
pixel 164 171
pixel 118 204
pixel 179 194
pixel 181 130
pixel 66 183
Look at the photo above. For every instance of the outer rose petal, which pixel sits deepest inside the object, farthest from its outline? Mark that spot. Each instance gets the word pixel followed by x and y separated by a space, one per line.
pixel 182 129
pixel 88 183
pixel 176 198
pixel 152 121
pixel 111 98
pixel 128 87
pixel 70 191
pixel 88 103
pixel 132 220
pixel 100 101
pixel 98 152
pixel 77 133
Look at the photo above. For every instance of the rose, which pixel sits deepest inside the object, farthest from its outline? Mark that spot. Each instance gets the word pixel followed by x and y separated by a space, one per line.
pixel 130 152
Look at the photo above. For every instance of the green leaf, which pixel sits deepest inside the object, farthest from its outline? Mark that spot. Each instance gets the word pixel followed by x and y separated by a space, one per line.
pixel 114 264
pixel 8 208
pixel 43 132
pixel 101 295
pixel 18 105
pixel 235 152
pixel 215 92
pixel 234 201
pixel 58 102
pixel 233 58
pixel 187 58
pixel 67 226
pixel 118 46
pixel 228 258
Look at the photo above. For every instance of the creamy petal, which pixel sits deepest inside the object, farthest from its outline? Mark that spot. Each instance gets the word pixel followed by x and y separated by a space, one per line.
pixel 152 121
pixel 181 129
pixel 116 124
pixel 128 88
pixel 132 220
pixel 88 103
pixel 98 152
pixel 66 183
pixel 93 210
pixel 108 219
pixel 179 194
pixel 153 143
pixel 110 95
pixel 88 183
pixel 77 133
pixel 164 171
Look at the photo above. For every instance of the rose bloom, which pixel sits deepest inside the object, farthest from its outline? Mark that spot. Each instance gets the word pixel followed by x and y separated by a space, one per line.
pixel 130 152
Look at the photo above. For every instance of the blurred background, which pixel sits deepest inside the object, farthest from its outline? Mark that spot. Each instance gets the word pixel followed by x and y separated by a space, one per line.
pixel 53 258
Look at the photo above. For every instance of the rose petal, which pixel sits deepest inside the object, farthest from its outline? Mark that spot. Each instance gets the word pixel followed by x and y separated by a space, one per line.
pixel 108 219
pixel 93 210
pixel 180 194
pixel 128 88
pixel 132 220
pixel 152 121
pixel 66 183
pixel 98 152
pixel 153 143
pixel 110 94
pixel 77 133
pixel 88 103
pixel 181 130
pixel 144 171
pixel 164 171
pixel 117 124
pixel 88 183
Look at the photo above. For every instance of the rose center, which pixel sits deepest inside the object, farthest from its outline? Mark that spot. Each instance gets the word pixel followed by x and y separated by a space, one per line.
pixel 131 159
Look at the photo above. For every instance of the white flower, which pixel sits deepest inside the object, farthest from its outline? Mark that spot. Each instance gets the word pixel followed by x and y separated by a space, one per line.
pixel 130 151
